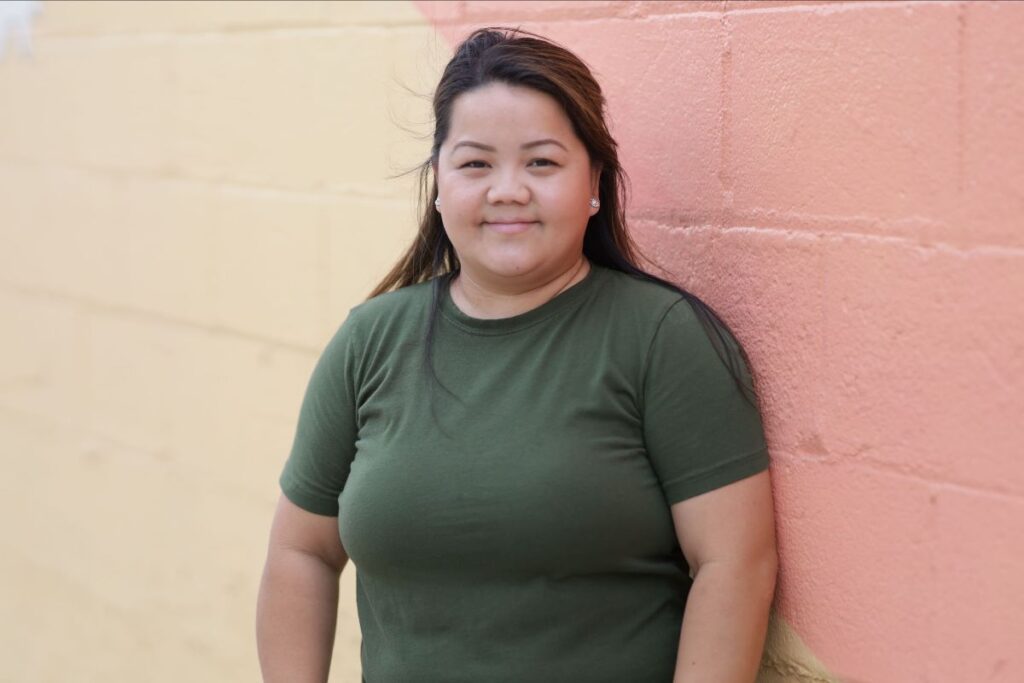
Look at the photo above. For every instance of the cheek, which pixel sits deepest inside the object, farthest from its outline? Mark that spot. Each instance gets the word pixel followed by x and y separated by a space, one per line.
pixel 456 205
pixel 461 220
pixel 461 223
pixel 567 202
pixel 465 199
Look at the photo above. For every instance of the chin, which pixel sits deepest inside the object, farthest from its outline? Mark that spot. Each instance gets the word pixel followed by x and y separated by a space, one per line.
pixel 511 265
pixel 511 269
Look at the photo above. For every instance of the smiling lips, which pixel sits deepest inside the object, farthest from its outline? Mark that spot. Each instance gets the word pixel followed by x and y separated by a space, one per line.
pixel 511 226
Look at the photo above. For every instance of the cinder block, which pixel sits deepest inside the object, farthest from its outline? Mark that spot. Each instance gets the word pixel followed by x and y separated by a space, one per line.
pixel 139 548
pixel 298 110
pixel 28 481
pixel 269 262
pixel 258 388
pixel 99 102
pixel 115 240
pixel 121 98
pixel 44 490
pixel 993 161
pixel 924 363
pixel 491 10
pixel 171 230
pixel 845 112
pixel 857 559
pixel 144 371
pixel 98 641
pixel 979 611
pixel 178 394
pixel 227 14
pixel 681 254
pixel 768 286
pixel 137 16
pixel 654 7
pixel 402 12
pixel 42 354
pixel 366 239
pixel 439 11
pixel 35 122
pixel 89 243
pixel 26 240
pixel 741 5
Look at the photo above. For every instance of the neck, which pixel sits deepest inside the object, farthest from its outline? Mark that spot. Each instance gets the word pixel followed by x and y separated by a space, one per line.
pixel 476 298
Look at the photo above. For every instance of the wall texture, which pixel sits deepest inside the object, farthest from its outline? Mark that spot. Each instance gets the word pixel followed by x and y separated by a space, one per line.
pixel 844 182
pixel 193 194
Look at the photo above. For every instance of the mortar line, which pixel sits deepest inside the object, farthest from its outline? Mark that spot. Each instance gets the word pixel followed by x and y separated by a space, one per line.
pixel 94 307
pixel 838 235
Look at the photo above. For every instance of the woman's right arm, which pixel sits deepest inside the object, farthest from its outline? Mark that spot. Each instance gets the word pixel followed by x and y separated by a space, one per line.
pixel 297 608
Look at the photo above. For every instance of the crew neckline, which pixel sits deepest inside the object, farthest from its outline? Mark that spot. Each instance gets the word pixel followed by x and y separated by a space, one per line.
pixel 561 302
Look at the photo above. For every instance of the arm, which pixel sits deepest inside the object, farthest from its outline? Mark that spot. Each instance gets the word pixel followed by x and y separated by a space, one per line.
pixel 728 538
pixel 297 608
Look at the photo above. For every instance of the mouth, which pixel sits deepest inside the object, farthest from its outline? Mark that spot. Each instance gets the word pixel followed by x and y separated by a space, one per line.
pixel 510 227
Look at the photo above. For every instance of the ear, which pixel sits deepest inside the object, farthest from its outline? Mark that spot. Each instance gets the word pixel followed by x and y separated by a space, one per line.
pixel 595 180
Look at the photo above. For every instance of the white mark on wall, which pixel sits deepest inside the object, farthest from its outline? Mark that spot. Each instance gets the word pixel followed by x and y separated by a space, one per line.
pixel 16 25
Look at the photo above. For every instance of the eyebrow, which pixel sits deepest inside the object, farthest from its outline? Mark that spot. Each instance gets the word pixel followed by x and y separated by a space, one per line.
pixel 528 145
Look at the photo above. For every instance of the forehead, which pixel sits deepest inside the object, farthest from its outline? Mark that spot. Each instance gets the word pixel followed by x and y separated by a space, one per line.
pixel 499 112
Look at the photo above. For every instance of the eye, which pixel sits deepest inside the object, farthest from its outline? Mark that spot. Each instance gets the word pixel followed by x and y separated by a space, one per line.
pixel 467 164
pixel 547 162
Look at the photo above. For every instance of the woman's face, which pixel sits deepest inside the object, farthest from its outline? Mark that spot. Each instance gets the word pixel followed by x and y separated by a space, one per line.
pixel 515 185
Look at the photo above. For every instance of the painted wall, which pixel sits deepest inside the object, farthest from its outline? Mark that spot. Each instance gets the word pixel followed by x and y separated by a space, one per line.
pixel 844 182
pixel 193 194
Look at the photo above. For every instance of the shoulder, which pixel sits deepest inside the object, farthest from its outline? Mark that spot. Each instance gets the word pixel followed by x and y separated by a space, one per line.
pixel 640 303
pixel 383 321
pixel 375 329
pixel 655 315
pixel 386 312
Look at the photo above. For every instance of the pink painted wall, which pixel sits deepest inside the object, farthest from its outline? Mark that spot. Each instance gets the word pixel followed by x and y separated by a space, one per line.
pixel 844 182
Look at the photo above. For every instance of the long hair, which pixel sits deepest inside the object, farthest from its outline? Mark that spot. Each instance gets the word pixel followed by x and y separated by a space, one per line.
pixel 517 57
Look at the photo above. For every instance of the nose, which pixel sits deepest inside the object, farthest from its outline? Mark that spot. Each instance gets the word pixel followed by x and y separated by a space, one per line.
pixel 508 188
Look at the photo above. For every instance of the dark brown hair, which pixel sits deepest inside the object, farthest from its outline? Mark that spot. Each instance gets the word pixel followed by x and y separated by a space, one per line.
pixel 520 58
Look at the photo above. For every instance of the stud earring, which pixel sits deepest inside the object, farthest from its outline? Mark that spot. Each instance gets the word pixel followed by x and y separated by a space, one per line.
pixel 437 203
pixel 594 203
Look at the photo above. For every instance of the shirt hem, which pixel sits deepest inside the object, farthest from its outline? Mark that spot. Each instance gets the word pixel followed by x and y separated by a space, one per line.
pixel 728 473
pixel 308 502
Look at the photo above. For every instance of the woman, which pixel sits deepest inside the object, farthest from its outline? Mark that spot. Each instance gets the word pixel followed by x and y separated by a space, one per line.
pixel 527 444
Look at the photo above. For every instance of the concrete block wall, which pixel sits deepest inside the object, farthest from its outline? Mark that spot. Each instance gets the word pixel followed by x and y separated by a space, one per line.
pixel 193 194
pixel 843 182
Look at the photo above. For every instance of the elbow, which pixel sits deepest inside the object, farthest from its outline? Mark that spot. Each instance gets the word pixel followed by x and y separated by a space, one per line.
pixel 756 575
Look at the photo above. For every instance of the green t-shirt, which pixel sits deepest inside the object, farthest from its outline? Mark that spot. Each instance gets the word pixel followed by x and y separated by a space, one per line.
pixel 510 521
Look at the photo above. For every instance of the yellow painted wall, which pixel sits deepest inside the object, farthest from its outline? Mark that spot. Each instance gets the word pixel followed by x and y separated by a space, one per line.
pixel 192 195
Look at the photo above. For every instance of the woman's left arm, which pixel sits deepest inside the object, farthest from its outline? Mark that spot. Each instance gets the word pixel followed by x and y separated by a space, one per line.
pixel 728 538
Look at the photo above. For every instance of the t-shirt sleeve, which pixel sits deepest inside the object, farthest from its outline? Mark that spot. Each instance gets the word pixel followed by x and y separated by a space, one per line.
pixel 325 437
pixel 700 431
